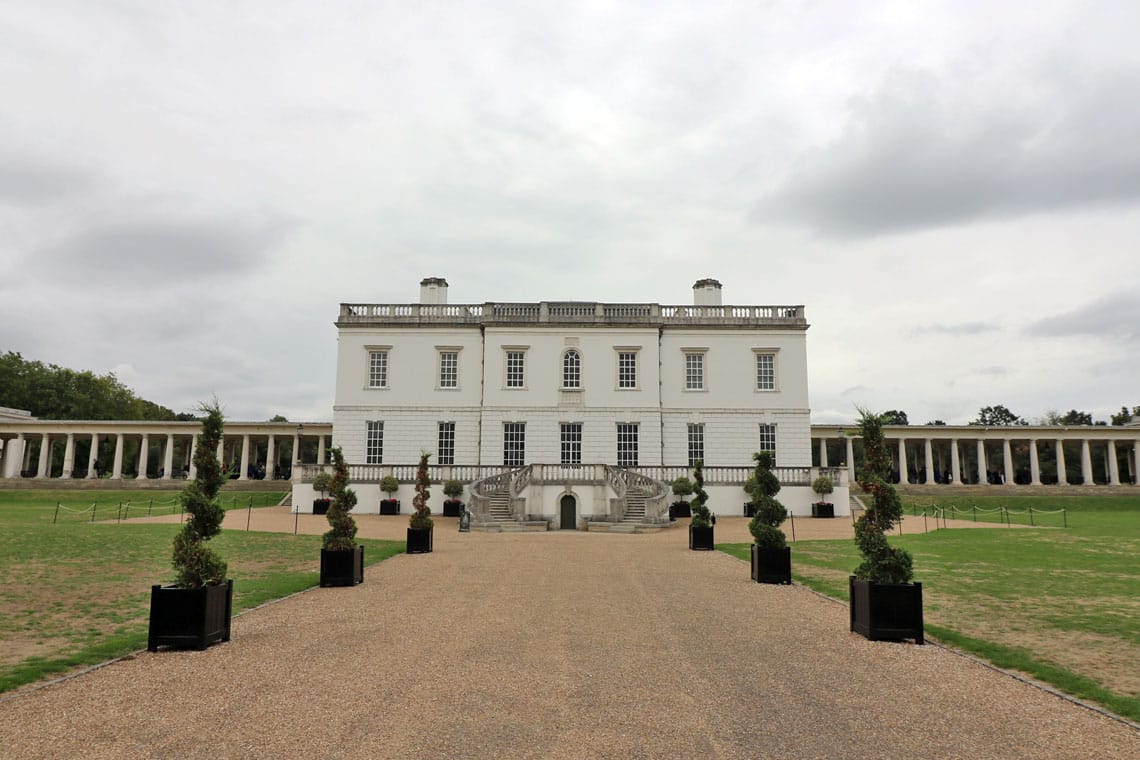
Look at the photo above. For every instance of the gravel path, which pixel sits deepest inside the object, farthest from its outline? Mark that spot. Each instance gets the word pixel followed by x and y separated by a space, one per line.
pixel 555 645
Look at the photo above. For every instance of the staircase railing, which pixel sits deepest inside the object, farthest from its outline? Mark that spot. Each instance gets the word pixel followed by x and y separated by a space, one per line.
pixel 657 494
pixel 511 482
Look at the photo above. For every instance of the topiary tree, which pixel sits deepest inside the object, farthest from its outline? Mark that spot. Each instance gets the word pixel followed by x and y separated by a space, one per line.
pixel 702 518
pixel 195 564
pixel 823 486
pixel 881 562
pixel 420 519
pixel 453 489
pixel 389 485
pixel 321 483
pixel 342 527
pixel 769 512
pixel 682 487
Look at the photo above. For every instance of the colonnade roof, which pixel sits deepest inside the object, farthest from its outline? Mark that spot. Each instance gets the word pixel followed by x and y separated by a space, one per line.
pixel 989 432
pixel 232 427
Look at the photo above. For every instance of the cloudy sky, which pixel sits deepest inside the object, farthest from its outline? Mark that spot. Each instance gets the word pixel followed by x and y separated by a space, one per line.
pixel 189 190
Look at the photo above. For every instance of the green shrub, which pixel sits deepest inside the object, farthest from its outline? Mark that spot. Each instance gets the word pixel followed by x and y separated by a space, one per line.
pixel 702 518
pixel 389 485
pixel 342 527
pixel 420 519
pixel 881 562
pixel 453 489
pixel 321 483
pixel 682 487
pixel 195 564
pixel 769 512
pixel 823 486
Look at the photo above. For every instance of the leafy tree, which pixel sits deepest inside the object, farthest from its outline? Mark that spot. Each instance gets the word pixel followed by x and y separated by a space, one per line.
pixel 682 487
pixel 196 564
pixel 881 562
pixel 1125 416
pixel 278 418
pixel 702 518
pixel 895 417
pixel 420 519
pixel 997 416
pixel 937 422
pixel 342 527
pixel 769 512
pixel 1073 417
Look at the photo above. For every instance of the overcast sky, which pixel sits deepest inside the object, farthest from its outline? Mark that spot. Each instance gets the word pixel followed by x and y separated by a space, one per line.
pixel 189 190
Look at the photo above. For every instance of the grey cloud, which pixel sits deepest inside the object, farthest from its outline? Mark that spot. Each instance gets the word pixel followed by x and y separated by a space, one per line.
pixel 26 181
pixel 964 328
pixel 1114 316
pixel 921 153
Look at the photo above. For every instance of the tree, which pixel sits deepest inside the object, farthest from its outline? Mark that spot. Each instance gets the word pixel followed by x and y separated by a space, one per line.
pixel 769 512
pixel 894 417
pixel 342 527
pixel 882 563
pixel 937 422
pixel 1073 417
pixel 278 418
pixel 1125 416
pixel 420 519
pixel 997 416
pixel 702 518
pixel 195 564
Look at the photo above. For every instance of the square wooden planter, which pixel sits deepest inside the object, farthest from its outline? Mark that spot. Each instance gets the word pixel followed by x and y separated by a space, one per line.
pixel 389 506
pixel 321 506
pixel 771 565
pixel 823 509
pixel 701 539
pixel 419 540
pixel 190 618
pixel 680 509
pixel 342 567
pixel 749 509
pixel 889 611
pixel 452 508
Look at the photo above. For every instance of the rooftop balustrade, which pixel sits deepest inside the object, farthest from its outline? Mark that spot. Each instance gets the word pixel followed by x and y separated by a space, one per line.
pixel 568 312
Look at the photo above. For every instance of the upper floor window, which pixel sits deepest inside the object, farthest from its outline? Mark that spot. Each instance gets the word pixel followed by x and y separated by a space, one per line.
pixel 694 371
pixel 374 443
pixel 627 444
pixel 768 439
pixel 516 368
pixel 765 371
pixel 377 369
pixel 696 443
pixel 627 369
pixel 572 370
pixel 448 369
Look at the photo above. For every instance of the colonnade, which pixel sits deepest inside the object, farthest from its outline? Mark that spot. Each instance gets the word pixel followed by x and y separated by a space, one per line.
pixel 252 450
pixel 995 455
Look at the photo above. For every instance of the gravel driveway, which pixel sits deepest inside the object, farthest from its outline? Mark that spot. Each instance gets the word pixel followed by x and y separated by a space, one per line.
pixel 552 645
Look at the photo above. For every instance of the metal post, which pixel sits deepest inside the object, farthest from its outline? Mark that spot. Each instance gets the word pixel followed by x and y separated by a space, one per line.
pixel 296 517
pixel 150 507
pixel 1065 516
pixel 1031 515
pixel 793 527
pixel 56 516
pixel 93 510
pixel 925 527
pixel 249 513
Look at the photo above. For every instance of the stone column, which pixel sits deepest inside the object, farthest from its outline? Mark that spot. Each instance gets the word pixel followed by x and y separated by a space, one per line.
pixel 43 470
pixel 1086 463
pixel 117 468
pixel 851 459
pixel 1007 461
pixel 928 452
pixel 244 457
pixel 320 449
pixel 983 471
pixel 296 449
pixel 1062 476
pixel 1034 464
pixel 68 457
pixel 92 456
pixel 902 461
pixel 27 463
pixel 13 453
pixel 193 473
pixel 270 457
pixel 222 450
pixel 168 457
pixel 144 456
pixel 1113 465
pixel 955 463
pixel 1136 463
pixel 823 452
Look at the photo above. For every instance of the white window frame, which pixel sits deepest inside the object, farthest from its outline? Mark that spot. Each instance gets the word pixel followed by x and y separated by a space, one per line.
pixel 374 442
pixel 699 355
pixel 619 352
pixel 445 443
pixel 507 352
pixel 570 442
pixel 518 431
pixel 696 439
pixel 773 354
pixel 370 376
pixel 571 381
pixel 628 444
pixel 441 352
pixel 768 434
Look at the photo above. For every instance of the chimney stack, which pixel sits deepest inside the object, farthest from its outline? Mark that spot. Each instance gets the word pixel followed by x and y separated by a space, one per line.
pixel 433 290
pixel 706 292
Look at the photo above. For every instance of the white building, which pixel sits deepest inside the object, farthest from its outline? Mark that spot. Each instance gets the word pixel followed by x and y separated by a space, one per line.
pixel 566 388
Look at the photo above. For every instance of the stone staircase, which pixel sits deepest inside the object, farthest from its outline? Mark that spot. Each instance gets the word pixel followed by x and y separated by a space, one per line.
pixel 635 505
pixel 501 507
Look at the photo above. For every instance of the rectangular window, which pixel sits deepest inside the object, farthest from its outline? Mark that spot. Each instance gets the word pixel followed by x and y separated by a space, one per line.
pixel 516 369
pixel 448 369
pixel 514 444
pixel 374 443
pixel 696 444
pixel 571 443
pixel 765 372
pixel 377 369
pixel 445 450
pixel 768 439
pixel 627 369
pixel 627 444
pixel 694 372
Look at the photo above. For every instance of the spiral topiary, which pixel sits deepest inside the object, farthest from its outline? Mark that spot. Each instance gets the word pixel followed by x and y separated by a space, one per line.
pixel 420 519
pixel 882 563
pixel 195 564
pixel 342 527
pixel 702 518
pixel 769 512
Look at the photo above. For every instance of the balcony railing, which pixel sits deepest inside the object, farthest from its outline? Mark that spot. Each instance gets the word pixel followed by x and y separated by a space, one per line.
pixel 568 312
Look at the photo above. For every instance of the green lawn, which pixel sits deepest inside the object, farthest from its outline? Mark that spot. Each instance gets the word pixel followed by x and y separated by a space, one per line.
pixel 1062 604
pixel 77 593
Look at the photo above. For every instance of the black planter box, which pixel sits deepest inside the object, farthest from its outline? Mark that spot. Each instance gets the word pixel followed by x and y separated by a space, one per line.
pixel 389 506
pixel 823 509
pixel 190 618
pixel 342 567
pixel 452 507
pixel 419 540
pixel 771 565
pixel 749 509
pixel 680 509
pixel 891 611
pixel 701 539
pixel 321 506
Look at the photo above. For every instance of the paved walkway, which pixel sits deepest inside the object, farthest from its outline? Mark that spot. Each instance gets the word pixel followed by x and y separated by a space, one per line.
pixel 556 645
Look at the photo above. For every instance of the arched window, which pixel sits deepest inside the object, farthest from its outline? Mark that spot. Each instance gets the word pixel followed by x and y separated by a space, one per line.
pixel 571 370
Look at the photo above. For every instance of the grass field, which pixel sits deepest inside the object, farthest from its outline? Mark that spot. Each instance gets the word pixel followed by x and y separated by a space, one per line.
pixel 77 592
pixel 1061 604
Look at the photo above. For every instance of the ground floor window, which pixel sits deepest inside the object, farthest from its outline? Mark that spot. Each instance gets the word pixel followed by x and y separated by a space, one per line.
pixel 627 444
pixel 768 439
pixel 571 435
pixel 374 443
pixel 514 444
pixel 445 449
pixel 696 444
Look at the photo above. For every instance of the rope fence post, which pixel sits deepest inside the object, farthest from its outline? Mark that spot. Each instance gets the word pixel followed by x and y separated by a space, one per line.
pixel 1031 515
pixel 792 515
pixel 1065 516
pixel 119 514
pixel 925 525
pixel 93 510
pixel 56 516
pixel 150 508
pixel 248 514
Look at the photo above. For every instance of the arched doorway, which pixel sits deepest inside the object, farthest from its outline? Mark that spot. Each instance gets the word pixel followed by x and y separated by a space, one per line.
pixel 567 509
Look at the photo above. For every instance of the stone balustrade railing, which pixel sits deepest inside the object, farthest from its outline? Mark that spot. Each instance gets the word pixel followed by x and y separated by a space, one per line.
pixel 567 312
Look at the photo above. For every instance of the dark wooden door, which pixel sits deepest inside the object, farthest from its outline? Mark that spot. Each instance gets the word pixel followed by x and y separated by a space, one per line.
pixel 567 506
